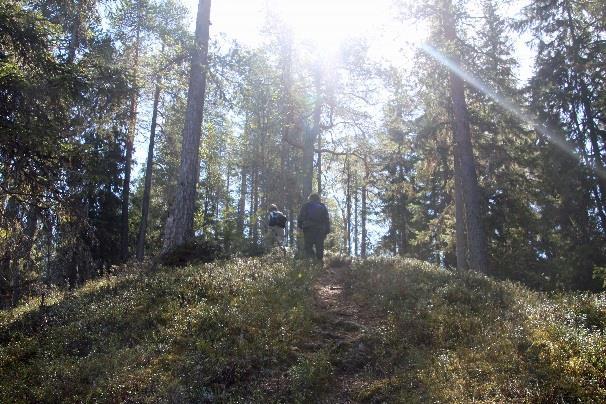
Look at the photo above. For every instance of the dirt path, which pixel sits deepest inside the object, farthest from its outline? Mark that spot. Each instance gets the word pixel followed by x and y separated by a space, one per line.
pixel 341 332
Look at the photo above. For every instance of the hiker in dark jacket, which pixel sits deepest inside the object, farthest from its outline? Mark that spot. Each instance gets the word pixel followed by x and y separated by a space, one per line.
pixel 315 223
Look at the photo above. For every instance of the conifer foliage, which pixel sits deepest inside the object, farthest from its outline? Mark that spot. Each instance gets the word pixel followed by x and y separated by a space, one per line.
pixel 418 160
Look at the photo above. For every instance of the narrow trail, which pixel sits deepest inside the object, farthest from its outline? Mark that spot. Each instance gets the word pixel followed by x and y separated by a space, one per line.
pixel 341 330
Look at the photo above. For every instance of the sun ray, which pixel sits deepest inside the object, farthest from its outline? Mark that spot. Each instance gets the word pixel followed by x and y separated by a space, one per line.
pixel 553 136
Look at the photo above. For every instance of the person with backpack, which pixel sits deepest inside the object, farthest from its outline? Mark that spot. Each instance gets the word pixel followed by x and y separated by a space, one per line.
pixel 276 222
pixel 315 222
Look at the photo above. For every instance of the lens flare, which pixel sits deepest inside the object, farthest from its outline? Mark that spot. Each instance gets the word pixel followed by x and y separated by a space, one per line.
pixel 555 138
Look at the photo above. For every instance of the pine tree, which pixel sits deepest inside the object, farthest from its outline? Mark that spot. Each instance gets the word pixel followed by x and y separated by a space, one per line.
pixel 180 222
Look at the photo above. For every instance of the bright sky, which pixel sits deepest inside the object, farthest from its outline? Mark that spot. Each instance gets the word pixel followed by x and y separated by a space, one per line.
pixel 240 19
pixel 325 23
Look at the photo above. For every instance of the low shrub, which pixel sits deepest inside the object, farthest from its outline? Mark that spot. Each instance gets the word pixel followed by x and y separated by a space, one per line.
pixel 212 332
pixel 193 252
pixel 311 375
pixel 461 337
pixel 246 330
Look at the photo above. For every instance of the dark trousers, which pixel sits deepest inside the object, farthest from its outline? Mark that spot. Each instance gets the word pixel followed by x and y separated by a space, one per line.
pixel 314 239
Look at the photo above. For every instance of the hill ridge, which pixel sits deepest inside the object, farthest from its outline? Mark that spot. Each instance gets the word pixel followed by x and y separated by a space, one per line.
pixel 248 330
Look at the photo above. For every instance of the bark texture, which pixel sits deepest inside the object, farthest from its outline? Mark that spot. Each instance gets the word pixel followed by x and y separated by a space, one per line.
pixel 242 201
pixel 148 176
pixel 460 231
pixel 465 171
pixel 364 214
pixel 180 222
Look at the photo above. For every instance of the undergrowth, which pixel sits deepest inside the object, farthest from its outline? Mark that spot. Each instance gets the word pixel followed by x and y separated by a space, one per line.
pixel 462 337
pixel 213 332
pixel 240 331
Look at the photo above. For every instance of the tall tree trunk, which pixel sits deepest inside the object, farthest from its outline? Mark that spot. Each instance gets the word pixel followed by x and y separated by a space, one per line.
pixel 130 138
pixel 287 112
pixel 318 130
pixel 10 261
pixel 148 175
pixel 396 236
pixel 9 221
pixel 242 201
pixel 460 231
pixel 364 214
pixel 402 214
pixel 255 207
pixel 180 222
pixel 348 204
pixel 401 219
pixel 308 161
pixel 251 202
pixel 291 227
pixel 310 140
pixel 319 163
pixel 227 196
pixel 600 187
pixel 217 214
pixel 597 153
pixel 355 223
pixel 403 236
pixel 476 242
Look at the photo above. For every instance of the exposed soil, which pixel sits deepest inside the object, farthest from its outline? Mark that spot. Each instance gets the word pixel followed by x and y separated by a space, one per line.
pixel 341 331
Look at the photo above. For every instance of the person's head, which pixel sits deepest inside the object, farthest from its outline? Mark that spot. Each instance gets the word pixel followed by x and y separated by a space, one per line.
pixel 314 197
pixel 273 207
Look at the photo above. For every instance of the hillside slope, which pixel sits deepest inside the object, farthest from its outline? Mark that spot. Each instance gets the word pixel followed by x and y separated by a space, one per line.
pixel 266 329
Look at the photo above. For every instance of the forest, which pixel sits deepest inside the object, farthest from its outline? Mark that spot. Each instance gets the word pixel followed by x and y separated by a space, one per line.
pixel 459 146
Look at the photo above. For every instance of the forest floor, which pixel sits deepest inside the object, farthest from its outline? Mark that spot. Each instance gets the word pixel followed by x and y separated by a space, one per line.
pixel 271 329
pixel 344 325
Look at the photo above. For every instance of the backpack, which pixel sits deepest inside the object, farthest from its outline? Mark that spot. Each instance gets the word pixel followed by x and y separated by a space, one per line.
pixel 277 219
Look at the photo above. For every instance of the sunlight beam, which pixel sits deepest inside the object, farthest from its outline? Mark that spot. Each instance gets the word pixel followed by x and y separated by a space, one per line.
pixel 329 25
pixel 555 138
